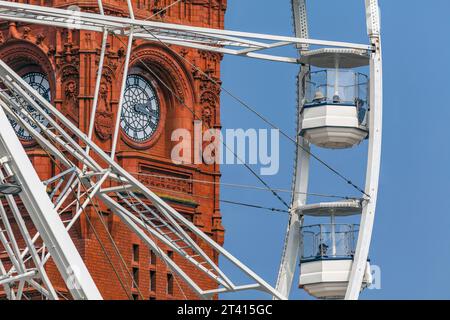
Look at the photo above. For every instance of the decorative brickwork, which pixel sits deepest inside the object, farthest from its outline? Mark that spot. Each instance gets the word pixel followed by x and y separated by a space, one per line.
pixel 70 60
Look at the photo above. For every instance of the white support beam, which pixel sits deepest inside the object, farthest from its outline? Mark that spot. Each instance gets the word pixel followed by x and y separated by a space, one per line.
pixel 218 40
pixel 44 217
pixel 19 277
pixel 121 213
pixel 63 134
pixel 98 82
pixel 237 289
pixel 289 260
pixel 374 153
pixel 289 257
pixel 126 64
pixel 145 223
pixel 300 22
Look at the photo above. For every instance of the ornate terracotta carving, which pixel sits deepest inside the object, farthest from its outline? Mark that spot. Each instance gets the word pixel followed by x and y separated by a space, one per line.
pixel 158 10
pixel 13 33
pixel 18 53
pixel 69 71
pixel 211 59
pixel 70 57
pixel 40 38
pixel 184 52
pixel 26 33
pixel 214 4
pixel 209 102
pixel 70 101
pixel 104 118
pixel 104 124
pixel 207 116
pixel 166 180
pixel 161 60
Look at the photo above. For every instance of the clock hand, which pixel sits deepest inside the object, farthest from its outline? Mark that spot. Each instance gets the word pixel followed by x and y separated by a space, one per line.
pixel 144 109
pixel 141 108
pixel 153 113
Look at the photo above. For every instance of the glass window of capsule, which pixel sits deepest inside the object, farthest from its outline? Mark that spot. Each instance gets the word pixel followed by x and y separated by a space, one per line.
pixel 338 87
pixel 328 241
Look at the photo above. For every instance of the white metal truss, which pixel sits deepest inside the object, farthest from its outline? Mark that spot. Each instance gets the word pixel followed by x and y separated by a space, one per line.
pixel 290 254
pixel 19 246
pixel 72 189
pixel 146 214
pixel 374 152
pixel 217 40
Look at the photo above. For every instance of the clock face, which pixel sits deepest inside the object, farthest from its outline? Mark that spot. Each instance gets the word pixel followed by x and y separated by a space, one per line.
pixel 140 110
pixel 39 82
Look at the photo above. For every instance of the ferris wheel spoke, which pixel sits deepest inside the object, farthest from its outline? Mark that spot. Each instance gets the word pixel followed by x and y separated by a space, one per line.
pixel 374 154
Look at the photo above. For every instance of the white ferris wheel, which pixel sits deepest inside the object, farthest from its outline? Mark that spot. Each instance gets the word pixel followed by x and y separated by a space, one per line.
pixel 338 107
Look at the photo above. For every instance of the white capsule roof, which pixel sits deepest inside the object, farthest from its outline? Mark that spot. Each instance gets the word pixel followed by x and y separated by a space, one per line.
pixel 326 58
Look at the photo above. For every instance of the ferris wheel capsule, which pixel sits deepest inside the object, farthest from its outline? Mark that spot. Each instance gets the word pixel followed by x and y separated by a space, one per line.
pixel 338 108
pixel 327 250
pixel 336 98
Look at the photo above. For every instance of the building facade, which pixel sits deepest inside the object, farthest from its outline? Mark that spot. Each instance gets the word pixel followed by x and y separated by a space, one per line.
pixel 62 65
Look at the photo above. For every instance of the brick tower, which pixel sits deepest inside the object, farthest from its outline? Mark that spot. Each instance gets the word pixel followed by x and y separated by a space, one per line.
pixel 63 63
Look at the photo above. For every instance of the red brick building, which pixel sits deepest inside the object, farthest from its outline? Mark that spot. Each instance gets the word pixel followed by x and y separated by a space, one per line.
pixel 64 64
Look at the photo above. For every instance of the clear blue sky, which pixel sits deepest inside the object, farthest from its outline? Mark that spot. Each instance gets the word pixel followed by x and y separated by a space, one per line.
pixel 411 240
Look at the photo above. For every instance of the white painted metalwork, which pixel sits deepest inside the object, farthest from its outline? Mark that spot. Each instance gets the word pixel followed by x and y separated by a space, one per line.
pixel 374 154
pixel 301 169
pixel 16 163
pixel 328 279
pixel 351 279
pixel 217 40
pixel 146 214
pixel 122 92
